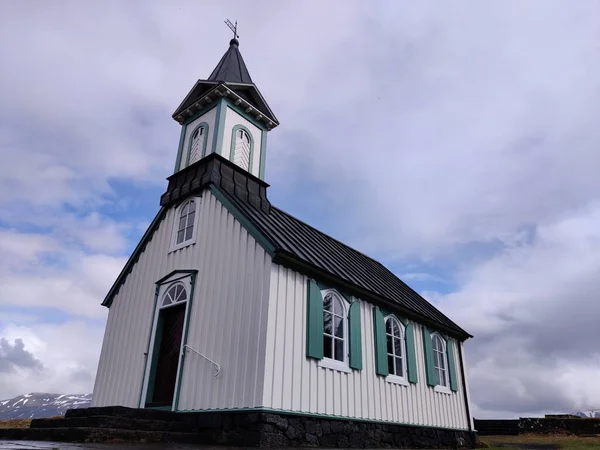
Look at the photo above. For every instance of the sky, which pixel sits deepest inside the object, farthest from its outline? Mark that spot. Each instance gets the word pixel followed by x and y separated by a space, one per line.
pixel 456 142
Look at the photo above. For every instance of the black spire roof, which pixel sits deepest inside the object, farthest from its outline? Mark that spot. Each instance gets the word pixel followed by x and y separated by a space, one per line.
pixel 232 73
pixel 231 67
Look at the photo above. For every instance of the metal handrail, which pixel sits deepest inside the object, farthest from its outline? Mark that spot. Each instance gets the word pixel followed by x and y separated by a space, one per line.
pixel 205 357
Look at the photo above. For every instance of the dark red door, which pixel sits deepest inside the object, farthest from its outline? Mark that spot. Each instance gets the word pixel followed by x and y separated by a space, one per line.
pixel 168 359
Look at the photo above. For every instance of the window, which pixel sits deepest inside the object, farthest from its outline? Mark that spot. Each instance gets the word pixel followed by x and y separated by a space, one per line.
pixel 242 153
pixel 334 327
pixel 197 143
pixel 395 347
pixel 175 294
pixel 186 220
pixel 440 363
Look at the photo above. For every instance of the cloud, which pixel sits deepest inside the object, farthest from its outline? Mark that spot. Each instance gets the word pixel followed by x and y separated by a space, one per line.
pixel 13 357
pixel 66 357
pixel 533 309
pixel 456 142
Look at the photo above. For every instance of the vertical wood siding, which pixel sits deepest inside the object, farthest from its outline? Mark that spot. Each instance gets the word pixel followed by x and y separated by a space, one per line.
pixel 227 316
pixel 296 383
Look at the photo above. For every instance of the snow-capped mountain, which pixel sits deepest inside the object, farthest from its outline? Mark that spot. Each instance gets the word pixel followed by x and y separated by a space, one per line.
pixel 36 405
pixel 593 414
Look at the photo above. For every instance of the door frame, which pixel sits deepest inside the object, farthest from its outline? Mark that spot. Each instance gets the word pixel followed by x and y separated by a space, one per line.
pixel 187 278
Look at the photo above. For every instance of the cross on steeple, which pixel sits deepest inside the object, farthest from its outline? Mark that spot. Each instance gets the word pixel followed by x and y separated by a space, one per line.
pixel 232 27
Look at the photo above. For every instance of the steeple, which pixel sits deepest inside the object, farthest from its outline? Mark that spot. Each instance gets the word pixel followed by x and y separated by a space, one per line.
pixel 231 68
pixel 225 114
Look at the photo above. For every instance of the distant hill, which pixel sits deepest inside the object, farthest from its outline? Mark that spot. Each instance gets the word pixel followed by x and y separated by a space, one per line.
pixel 36 405
pixel 593 414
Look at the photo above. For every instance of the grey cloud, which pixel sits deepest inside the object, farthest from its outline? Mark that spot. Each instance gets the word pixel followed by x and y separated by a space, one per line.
pixel 15 356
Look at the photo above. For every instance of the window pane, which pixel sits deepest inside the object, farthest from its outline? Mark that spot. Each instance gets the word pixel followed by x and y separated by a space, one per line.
pixel 188 233
pixel 338 308
pixel 166 301
pixel 442 362
pixel 388 326
pixel 180 237
pixel 181 223
pixel 327 347
pixel 339 349
pixel 398 346
pixel 327 325
pixel 399 370
pixel 339 327
pixel 437 377
pixel 190 219
pixel 390 345
pixel 391 367
pixel 184 210
pixel 327 303
pixel 192 206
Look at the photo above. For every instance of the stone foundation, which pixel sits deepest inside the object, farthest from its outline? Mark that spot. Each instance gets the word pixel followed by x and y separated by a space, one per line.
pixel 266 429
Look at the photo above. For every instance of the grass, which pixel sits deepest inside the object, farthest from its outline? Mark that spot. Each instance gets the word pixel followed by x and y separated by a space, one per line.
pixel 15 423
pixel 540 441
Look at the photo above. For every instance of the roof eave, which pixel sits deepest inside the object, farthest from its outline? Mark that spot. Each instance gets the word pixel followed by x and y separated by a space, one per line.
pixel 222 90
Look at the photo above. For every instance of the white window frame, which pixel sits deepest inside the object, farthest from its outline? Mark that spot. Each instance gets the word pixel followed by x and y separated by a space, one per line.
pixel 392 378
pixel 442 388
pixel 174 245
pixel 330 363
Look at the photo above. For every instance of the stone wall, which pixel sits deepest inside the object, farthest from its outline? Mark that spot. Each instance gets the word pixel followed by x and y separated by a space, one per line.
pixel 547 425
pixel 580 426
pixel 261 429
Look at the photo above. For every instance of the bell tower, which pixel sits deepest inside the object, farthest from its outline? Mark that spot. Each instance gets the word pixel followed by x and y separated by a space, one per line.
pixel 225 114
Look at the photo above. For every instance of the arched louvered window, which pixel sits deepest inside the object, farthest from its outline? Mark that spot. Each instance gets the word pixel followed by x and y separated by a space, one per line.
pixel 175 294
pixel 242 148
pixel 440 361
pixel 394 332
pixel 197 146
pixel 185 227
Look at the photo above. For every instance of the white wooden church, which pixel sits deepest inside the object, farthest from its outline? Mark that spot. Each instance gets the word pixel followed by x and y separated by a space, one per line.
pixel 229 304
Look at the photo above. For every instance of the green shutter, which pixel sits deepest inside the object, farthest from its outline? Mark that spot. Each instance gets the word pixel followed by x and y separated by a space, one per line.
pixel 428 347
pixel 451 365
pixel 314 321
pixel 355 336
pixel 411 357
pixel 381 364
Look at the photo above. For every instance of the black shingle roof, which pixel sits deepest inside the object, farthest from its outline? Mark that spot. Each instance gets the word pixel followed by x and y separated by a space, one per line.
pixel 303 242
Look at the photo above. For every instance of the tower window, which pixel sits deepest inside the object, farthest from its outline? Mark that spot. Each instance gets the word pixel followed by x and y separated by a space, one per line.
pixel 197 147
pixel 241 148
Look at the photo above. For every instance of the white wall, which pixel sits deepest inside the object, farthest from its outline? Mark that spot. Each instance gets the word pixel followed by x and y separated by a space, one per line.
pixel 232 119
pixel 209 117
pixel 296 383
pixel 227 319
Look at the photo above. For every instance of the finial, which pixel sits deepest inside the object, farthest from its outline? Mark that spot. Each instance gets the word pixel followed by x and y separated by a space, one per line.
pixel 233 27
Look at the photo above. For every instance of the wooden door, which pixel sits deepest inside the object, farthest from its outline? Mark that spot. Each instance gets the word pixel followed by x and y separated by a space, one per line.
pixel 168 358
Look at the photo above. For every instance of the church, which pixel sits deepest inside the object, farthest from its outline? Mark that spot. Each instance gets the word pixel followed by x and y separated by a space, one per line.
pixel 230 306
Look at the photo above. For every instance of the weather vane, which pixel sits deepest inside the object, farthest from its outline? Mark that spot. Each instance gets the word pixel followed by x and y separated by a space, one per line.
pixel 232 27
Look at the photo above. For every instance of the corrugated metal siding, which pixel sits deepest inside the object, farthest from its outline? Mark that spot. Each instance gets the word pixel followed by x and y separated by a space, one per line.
pixel 226 320
pixel 296 383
